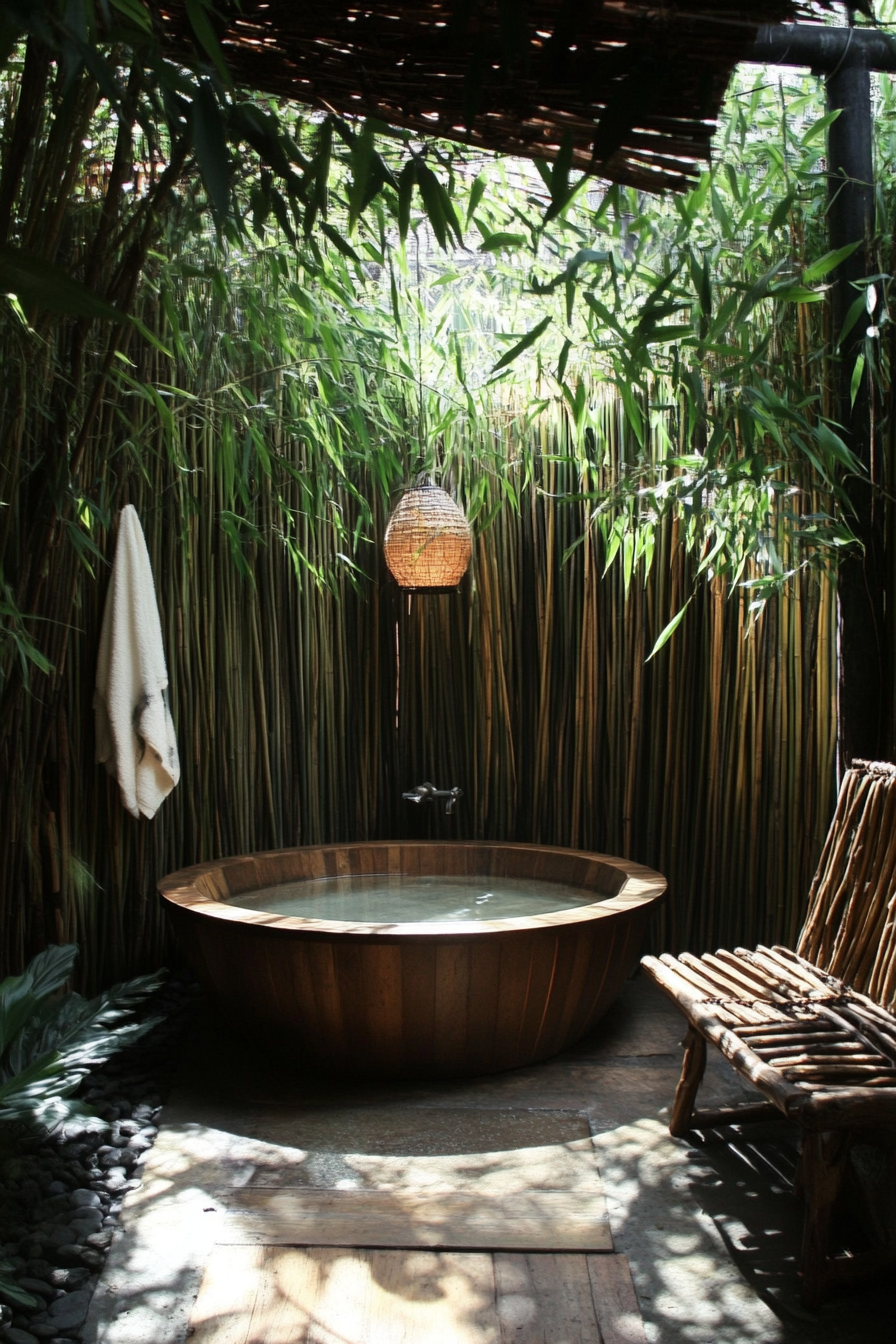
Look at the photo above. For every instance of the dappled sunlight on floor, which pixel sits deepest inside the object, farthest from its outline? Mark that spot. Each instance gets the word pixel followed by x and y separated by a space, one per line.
pixel 710 1226
pixel 340 1296
pixel 688 1290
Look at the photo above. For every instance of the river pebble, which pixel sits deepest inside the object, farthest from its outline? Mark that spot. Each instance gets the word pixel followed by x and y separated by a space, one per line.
pixel 13 1335
pixel 60 1196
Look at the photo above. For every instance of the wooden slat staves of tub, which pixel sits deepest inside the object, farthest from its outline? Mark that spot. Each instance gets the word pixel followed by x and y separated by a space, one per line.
pixel 414 999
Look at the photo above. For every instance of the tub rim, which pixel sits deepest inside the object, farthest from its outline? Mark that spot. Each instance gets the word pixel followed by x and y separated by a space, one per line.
pixel 640 886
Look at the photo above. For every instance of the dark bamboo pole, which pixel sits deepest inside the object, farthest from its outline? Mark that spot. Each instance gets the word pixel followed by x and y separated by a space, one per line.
pixel 846 57
pixel 862 577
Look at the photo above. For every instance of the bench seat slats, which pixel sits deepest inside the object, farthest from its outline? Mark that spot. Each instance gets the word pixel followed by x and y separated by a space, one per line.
pixel 807 1045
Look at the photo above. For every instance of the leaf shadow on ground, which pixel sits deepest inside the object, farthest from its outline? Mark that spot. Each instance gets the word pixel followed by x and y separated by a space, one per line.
pixel 744 1182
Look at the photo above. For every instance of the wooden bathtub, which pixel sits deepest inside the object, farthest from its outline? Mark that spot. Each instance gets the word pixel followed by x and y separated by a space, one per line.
pixel 415 1000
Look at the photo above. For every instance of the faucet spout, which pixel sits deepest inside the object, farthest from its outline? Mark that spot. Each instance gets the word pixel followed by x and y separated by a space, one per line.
pixel 429 793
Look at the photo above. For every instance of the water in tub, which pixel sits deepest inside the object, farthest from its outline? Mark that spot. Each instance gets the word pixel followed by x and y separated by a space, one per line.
pixel 391 899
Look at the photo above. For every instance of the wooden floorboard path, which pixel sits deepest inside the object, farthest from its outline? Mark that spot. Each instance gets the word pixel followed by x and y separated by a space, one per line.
pixel 537 1220
pixel 448 1244
pixel 290 1295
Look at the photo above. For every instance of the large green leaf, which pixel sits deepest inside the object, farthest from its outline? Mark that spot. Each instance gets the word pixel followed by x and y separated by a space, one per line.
pixel 198 14
pixel 50 969
pixel 829 262
pixel 210 143
pixel 10 1290
pixel 51 1043
pixel 43 285
pixel 21 995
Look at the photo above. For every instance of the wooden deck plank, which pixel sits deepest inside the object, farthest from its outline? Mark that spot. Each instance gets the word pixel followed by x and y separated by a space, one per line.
pixel 227 1295
pixel 544 1299
pixel 539 1220
pixel 615 1302
pixel 278 1295
pixel 286 1295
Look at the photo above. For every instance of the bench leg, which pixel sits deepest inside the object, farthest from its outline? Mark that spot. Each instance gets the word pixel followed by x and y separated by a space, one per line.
pixel 822 1166
pixel 692 1070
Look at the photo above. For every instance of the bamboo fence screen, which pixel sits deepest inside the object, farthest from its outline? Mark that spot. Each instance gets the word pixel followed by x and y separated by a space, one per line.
pixel 302 714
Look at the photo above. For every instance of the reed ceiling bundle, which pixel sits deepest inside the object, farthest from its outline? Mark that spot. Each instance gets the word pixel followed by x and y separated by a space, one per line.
pixel 625 90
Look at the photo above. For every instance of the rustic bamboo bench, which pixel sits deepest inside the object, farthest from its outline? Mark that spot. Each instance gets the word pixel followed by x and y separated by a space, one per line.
pixel 813 1030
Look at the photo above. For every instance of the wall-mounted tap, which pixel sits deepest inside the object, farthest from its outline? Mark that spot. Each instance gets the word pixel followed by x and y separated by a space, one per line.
pixel 428 793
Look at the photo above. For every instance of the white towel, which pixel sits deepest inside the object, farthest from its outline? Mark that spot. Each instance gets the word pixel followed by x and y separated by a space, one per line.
pixel 134 730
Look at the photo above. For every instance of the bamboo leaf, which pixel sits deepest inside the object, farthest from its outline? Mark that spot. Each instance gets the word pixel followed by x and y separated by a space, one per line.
pixel 581 258
pixel 562 361
pixel 829 262
pixel 632 410
pixel 134 10
pixel 669 630
pixel 365 175
pixel 561 192
pixel 819 127
pixel 832 444
pixel 758 291
pixel 497 242
pixel 198 15
pixel 406 182
pixel 674 332
pixel 855 381
pixel 798 294
pixel 341 244
pixel 210 142
pixel 528 340
pixel 477 191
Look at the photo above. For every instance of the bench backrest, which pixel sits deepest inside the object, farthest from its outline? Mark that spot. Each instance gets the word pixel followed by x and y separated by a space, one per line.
pixel 850 927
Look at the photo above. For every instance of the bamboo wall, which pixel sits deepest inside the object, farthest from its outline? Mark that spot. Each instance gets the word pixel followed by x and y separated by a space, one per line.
pixel 302 714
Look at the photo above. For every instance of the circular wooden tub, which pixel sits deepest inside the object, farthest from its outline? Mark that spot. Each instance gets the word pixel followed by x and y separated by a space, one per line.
pixel 421 1000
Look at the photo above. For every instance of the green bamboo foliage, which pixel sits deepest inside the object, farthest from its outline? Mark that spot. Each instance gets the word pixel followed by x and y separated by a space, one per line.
pixel 303 710
pixel 262 443
pixel 576 741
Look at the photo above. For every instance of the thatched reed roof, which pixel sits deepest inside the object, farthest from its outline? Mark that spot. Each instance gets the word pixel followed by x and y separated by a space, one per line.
pixel 634 86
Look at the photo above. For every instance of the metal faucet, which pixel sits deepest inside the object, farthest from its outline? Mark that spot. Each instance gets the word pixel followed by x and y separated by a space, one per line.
pixel 429 792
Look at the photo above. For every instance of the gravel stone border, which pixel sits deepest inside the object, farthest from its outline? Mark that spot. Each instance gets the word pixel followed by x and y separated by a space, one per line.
pixel 60 1195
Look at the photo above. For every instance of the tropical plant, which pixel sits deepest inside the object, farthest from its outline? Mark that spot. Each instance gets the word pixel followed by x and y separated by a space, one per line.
pixel 49 1042
pixel 10 1289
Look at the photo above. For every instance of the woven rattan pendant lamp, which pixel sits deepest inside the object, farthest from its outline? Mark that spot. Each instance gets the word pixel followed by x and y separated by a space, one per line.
pixel 427 541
